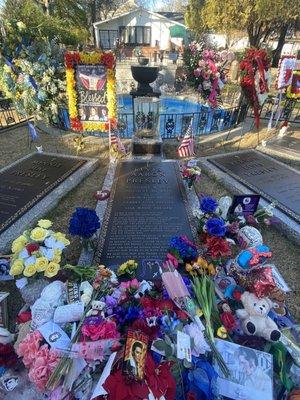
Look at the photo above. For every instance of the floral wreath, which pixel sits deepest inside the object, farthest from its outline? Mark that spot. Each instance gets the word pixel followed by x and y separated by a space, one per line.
pixel 73 58
pixel 292 92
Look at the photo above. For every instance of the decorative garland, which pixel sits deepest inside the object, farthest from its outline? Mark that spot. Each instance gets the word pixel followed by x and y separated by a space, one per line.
pixel 254 82
pixel 107 59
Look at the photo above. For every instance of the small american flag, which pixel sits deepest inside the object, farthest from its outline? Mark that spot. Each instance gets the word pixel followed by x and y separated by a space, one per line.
pixel 186 147
pixel 116 143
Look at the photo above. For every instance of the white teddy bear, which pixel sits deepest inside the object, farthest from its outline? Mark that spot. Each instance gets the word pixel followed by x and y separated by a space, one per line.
pixel 254 316
pixel 97 309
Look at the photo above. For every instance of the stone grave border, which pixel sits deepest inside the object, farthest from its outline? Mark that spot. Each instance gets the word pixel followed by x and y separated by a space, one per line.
pixel 48 202
pixel 286 224
pixel 189 197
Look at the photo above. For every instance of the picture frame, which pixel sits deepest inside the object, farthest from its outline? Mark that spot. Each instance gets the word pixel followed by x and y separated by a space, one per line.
pixel 3 309
pixel 250 372
pixel 135 355
pixel 91 89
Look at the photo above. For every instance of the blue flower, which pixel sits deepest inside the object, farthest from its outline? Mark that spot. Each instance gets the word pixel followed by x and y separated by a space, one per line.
pixel 186 250
pixel 84 222
pixel 208 204
pixel 215 227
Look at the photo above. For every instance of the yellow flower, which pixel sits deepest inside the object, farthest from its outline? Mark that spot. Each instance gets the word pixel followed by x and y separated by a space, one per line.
pixel 188 267
pixel 18 244
pixel 62 238
pixel 38 234
pixel 16 268
pixel 44 223
pixel 29 270
pixel 41 264
pixel 199 312
pixel 201 262
pixel 211 269
pixel 222 332
pixel 51 270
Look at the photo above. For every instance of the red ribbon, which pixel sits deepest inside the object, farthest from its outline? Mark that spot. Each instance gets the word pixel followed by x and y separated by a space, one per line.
pixel 256 255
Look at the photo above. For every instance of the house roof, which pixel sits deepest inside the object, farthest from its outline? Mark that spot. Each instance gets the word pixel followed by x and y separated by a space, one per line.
pixel 175 16
pixel 136 9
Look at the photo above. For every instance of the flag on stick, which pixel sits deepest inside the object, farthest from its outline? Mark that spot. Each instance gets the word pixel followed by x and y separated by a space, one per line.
pixel 116 143
pixel 186 147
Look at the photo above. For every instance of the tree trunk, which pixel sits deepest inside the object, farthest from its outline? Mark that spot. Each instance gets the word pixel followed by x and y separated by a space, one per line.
pixel 93 19
pixel 281 41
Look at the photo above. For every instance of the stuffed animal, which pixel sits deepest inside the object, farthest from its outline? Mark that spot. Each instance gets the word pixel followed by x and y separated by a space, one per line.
pixel 97 309
pixel 254 317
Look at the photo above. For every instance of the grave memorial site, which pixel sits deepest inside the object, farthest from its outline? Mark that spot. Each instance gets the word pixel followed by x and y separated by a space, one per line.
pixel 149 209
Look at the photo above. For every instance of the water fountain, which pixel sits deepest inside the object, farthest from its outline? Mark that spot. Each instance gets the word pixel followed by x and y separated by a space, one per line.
pixel 145 102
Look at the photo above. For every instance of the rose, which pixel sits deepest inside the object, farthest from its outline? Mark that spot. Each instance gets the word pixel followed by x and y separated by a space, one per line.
pixel 32 247
pixel 29 347
pixel 17 268
pixel 18 244
pixel 41 264
pixel 30 270
pixel 44 364
pixel 61 237
pixel 51 270
pixel 44 223
pixel 208 204
pixel 57 256
pixel 215 227
pixel 38 234
pixel 102 330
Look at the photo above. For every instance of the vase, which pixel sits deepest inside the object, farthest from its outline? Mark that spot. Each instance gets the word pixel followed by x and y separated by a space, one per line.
pixel 31 290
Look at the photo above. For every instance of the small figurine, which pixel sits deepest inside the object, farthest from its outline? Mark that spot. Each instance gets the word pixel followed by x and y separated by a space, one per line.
pixel 227 318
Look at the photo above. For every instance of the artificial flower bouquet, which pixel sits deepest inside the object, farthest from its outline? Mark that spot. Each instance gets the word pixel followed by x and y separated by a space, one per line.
pixel 191 174
pixel 38 252
pixel 85 223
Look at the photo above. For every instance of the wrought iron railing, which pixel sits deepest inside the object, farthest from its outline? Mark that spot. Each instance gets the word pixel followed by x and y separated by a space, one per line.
pixel 204 122
pixel 9 116
pixel 287 110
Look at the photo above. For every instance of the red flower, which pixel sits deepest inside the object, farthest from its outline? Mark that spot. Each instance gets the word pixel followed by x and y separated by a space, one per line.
pixel 72 58
pixel 237 295
pixel 218 247
pixel 76 124
pixel 32 247
pixel 181 315
pixel 104 330
pixel 150 331
pixel 24 317
pixel 191 396
pixel 159 379
pixel 119 388
pixel 147 302
pixel 108 59
pixel 165 305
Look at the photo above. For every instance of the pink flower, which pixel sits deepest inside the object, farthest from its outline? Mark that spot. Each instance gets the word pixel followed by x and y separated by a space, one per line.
pixel 28 347
pixel 103 330
pixel 43 366
pixel 130 285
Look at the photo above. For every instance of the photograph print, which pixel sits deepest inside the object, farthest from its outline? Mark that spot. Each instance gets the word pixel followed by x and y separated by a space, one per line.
pixel 135 355
pixel 250 370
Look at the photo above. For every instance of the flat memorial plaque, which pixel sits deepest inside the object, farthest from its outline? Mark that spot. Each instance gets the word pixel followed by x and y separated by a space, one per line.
pixel 147 207
pixel 26 182
pixel 272 179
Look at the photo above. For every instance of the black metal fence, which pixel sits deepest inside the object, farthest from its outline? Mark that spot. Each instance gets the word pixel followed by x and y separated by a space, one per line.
pixel 9 116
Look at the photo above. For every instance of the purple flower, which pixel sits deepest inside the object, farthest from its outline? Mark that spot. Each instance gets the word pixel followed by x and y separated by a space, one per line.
pixel 110 301
pixel 208 204
pixel 215 227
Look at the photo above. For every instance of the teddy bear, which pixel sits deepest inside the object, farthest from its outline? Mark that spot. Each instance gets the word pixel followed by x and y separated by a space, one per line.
pixel 97 309
pixel 254 317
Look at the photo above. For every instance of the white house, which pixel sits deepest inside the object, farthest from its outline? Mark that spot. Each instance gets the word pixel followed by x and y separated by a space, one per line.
pixel 140 27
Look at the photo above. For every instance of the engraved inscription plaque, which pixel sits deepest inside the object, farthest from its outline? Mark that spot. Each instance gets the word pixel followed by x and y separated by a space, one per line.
pixel 147 207
pixel 26 182
pixel 273 180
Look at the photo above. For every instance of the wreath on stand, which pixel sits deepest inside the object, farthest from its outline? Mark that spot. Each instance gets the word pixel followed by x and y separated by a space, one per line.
pixel 255 79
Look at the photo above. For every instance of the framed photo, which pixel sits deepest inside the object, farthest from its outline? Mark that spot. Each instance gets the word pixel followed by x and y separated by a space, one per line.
pixel 251 372
pixel 244 204
pixel 3 309
pixel 135 355
pixel 91 88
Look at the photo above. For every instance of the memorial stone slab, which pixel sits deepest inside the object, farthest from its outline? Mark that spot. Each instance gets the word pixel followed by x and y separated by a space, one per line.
pixel 147 206
pixel 31 186
pixel 274 180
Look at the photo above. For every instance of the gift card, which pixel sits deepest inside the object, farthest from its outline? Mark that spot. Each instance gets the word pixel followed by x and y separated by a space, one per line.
pixel 55 336
pixel 184 350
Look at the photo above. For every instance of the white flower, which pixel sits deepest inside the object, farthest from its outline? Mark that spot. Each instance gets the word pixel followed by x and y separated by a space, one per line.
pixel 113 278
pixel 197 213
pixel 48 253
pixel 24 254
pixel 200 345
pixel 52 243
pixel 30 260
pixel 85 298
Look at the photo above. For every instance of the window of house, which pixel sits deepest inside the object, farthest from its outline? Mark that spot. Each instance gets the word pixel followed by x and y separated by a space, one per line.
pixel 136 35
pixel 107 38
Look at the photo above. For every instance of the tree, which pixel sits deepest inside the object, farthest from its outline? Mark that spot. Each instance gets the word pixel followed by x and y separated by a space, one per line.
pixel 259 18
pixel 193 17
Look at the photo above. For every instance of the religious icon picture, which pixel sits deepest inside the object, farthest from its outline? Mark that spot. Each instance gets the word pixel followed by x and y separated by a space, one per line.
pixel 135 355
pixel 244 204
